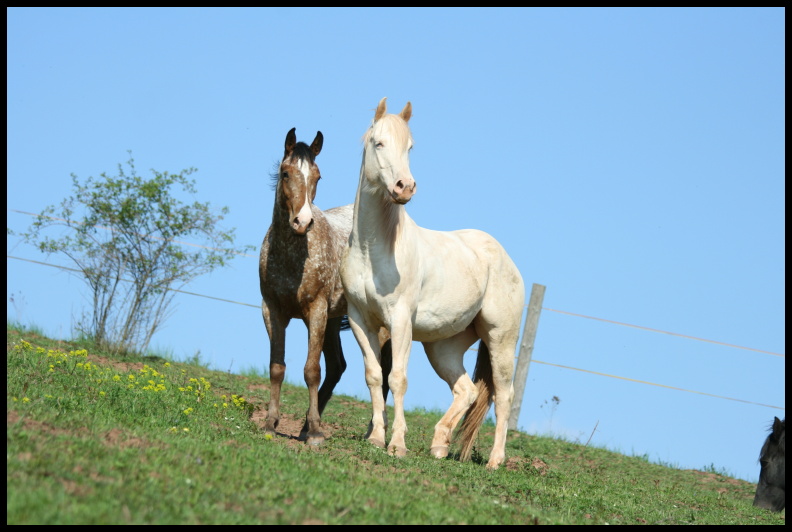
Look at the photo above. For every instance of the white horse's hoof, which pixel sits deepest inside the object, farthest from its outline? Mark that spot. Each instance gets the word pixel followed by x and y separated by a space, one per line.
pixel 399 452
pixel 493 467
pixel 441 451
pixel 378 443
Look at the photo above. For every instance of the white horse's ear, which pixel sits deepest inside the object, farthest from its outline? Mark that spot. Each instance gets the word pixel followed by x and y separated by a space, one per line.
pixel 406 113
pixel 381 109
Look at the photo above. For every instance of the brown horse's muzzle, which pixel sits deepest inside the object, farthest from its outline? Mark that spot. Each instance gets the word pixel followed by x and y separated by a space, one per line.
pixel 302 221
pixel 299 228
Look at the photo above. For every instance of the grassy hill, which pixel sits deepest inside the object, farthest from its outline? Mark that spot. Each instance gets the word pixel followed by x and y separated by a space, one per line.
pixel 94 438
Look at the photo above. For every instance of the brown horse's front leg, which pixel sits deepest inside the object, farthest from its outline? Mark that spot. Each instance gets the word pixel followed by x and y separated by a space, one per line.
pixel 312 429
pixel 277 368
pixel 277 372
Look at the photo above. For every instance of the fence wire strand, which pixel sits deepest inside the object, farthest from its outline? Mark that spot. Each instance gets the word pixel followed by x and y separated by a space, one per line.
pixel 532 361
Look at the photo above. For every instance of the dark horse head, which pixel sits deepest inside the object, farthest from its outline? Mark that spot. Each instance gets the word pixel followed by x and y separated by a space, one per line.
pixel 770 490
pixel 296 181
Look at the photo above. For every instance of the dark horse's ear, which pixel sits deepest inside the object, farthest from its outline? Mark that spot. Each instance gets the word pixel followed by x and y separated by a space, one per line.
pixel 778 426
pixel 316 145
pixel 291 141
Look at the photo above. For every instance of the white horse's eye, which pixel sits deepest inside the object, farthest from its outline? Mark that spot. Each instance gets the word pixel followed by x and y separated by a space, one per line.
pixel 378 145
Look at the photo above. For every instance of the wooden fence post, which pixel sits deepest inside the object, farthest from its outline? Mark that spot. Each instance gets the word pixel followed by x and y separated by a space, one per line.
pixel 526 351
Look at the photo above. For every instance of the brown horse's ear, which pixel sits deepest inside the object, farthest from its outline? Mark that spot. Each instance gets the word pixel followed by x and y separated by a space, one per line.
pixel 316 145
pixel 291 140
pixel 381 109
pixel 406 113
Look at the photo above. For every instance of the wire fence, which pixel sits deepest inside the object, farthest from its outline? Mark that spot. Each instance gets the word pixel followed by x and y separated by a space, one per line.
pixel 782 355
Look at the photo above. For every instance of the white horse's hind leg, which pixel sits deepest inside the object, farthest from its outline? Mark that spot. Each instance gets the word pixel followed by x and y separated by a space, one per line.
pixel 446 357
pixel 502 345
pixel 498 323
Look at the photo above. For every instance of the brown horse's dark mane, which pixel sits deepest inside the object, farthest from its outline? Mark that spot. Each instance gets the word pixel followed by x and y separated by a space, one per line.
pixel 301 152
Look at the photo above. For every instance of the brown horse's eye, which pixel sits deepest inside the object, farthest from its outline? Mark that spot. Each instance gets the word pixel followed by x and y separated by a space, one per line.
pixel 284 175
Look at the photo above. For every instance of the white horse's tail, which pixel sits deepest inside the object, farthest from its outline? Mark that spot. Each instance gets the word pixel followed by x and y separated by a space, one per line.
pixel 474 417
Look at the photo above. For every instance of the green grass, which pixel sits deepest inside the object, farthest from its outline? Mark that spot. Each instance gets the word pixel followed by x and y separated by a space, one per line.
pixel 97 439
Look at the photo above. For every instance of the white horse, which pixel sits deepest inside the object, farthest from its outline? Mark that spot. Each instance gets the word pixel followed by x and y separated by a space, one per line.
pixel 446 289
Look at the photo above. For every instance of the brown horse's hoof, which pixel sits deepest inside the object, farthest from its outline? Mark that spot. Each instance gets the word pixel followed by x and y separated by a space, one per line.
pixel 315 441
pixel 441 451
pixel 316 438
pixel 399 452
pixel 378 443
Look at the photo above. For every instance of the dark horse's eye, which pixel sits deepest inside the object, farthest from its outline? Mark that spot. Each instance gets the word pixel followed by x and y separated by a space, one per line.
pixel 284 175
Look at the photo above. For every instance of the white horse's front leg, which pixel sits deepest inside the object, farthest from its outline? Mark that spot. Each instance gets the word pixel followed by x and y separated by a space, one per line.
pixel 401 341
pixel 370 346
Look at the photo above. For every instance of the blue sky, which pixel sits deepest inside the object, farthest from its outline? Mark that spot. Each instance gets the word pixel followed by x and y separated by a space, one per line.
pixel 629 160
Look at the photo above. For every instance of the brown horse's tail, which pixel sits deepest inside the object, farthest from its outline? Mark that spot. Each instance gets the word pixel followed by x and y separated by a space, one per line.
pixel 474 417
